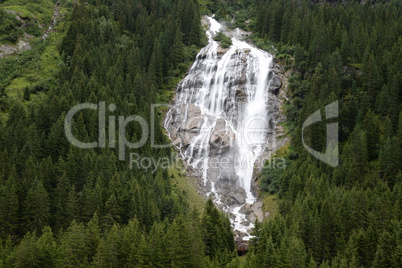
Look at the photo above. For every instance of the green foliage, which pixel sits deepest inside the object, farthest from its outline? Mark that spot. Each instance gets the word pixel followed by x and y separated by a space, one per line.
pixel 217 235
pixel 9 27
pixel 23 16
pixel 36 11
pixel 224 40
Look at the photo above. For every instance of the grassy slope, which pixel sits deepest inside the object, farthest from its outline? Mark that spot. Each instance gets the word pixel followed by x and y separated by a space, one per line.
pixel 183 183
pixel 41 10
pixel 271 201
pixel 39 65
pixel 44 65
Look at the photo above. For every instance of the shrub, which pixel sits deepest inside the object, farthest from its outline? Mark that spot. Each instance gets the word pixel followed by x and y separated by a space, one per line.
pixel 224 40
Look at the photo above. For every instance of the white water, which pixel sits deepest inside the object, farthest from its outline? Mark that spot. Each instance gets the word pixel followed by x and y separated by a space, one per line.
pixel 212 85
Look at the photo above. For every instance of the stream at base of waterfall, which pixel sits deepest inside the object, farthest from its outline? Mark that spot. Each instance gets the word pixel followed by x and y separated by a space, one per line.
pixel 223 121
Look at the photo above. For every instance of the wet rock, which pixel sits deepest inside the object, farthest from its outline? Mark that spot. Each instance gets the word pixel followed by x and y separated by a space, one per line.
pixel 239 198
pixel 221 51
pixel 232 216
pixel 221 137
pixel 239 235
pixel 246 209
pixel 229 105
pixel 275 85
pixel 240 80
pixel 241 94
pixel 245 223
pixel 193 111
pixel 213 174
pixel 189 120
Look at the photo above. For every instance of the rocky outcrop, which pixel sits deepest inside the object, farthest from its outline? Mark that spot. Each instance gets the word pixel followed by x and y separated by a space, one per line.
pixel 221 138
pixel 185 125
pixel 277 76
pixel 13 49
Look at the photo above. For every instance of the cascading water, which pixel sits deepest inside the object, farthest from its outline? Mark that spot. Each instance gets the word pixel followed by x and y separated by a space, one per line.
pixel 220 120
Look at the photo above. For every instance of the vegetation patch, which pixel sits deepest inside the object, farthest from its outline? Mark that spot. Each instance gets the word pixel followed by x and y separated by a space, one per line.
pixel 223 39
pixel 270 204
pixel 40 10
pixel 187 186
pixel 36 69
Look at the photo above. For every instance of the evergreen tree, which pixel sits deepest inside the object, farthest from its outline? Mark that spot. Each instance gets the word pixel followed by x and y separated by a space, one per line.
pixel 37 207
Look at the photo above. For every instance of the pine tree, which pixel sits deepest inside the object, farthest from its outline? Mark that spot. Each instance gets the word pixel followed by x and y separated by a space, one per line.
pixel 357 160
pixel 112 212
pixel 107 254
pixel 372 130
pixel 184 246
pixel 177 49
pixel 37 207
pixel 217 236
pixel 9 206
pixel 156 65
pixel 72 209
pixel 371 79
pixel 24 254
pixel 46 249
pixel 129 238
pixel 74 247
pixel 60 203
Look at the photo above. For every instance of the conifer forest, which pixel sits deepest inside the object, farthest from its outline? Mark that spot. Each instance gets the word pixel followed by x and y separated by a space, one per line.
pixel 89 89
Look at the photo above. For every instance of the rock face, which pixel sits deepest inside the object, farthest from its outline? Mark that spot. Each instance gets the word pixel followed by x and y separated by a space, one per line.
pixel 186 124
pixel 221 138
pixel 21 46
pixel 213 109
pixel 277 76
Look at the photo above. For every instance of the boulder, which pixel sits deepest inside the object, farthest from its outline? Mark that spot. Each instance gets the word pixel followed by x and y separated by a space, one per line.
pixel 239 198
pixel 245 223
pixel 251 217
pixel 221 51
pixel 246 209
pixel 257 210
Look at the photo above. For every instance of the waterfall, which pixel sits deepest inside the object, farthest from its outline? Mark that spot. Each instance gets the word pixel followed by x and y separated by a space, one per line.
pixel 220 121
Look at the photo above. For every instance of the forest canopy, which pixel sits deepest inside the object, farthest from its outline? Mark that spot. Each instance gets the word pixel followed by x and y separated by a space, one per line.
pixel 62 206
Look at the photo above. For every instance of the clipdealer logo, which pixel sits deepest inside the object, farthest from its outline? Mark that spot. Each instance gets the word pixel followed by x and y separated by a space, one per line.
pixel 331 154
pixel 123 121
